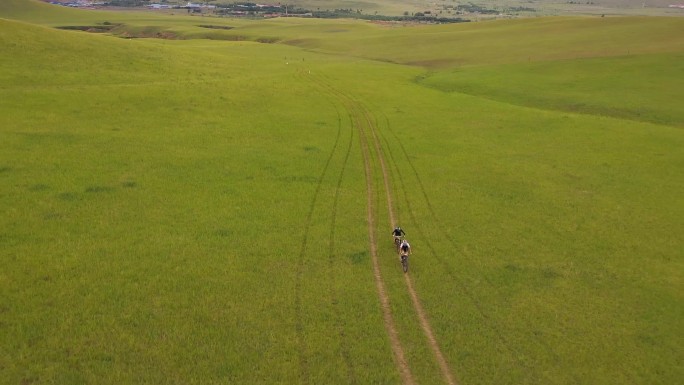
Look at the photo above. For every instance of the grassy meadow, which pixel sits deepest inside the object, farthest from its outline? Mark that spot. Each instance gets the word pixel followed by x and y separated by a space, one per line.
pixel 193 210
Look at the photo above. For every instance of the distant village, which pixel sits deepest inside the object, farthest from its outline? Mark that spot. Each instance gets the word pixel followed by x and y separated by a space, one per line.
pixel 128 3
pixel 247 9
pixel 447 13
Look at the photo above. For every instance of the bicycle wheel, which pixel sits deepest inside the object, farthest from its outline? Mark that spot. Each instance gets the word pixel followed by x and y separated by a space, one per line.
pixel 404 262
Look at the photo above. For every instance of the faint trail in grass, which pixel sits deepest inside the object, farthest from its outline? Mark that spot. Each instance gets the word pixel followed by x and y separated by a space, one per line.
pixel 447 268
pixel 332 256
pixel 365 122
pixel 344 349
pixel 514 352
pixel 299 327
pixel 359 123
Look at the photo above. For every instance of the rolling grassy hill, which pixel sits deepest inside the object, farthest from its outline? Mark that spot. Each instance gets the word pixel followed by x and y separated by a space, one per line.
pixel 37 11
pixel 203 210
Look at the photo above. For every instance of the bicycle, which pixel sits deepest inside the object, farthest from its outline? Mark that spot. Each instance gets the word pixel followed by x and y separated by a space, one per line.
pixel 397 242
pixel 404 262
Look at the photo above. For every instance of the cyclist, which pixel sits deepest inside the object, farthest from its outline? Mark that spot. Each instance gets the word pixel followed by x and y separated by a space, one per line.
pixel 404 249
pixel 398 233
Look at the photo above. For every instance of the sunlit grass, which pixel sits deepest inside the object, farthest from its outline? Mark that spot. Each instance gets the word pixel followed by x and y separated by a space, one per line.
pixel 194 211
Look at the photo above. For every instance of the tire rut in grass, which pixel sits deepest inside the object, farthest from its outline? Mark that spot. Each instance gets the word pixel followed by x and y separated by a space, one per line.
pixel 332 257
pixel 299 326
pixel 366 122
pixel 407 377
pixel 359 123
pixel 418 307
pixel 433 252
pixel 514 352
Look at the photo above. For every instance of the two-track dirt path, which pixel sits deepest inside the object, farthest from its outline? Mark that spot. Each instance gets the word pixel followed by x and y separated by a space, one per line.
pixel 400 357
pixel 375 166
pixel 424 323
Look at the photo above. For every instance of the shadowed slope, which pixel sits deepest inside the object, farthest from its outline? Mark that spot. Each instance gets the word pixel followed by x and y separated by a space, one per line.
pixel 645 88
pixel 513 41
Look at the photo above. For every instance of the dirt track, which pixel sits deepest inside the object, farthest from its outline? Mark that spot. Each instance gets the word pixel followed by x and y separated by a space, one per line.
pixel 363 122
pixel 407 377
pixel 424 323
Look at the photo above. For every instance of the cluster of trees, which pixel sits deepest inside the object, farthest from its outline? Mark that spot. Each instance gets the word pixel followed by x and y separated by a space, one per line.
pixel 473 8
pixel 417 17
pixel 248 8
pixel 521 9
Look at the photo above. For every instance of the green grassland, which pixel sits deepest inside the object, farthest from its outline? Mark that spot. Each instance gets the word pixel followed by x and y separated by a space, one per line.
pixel 193 210
pixel 613 86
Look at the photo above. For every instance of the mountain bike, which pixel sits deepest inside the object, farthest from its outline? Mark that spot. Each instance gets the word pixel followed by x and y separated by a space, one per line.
pixel 397 242
pixel 404 262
